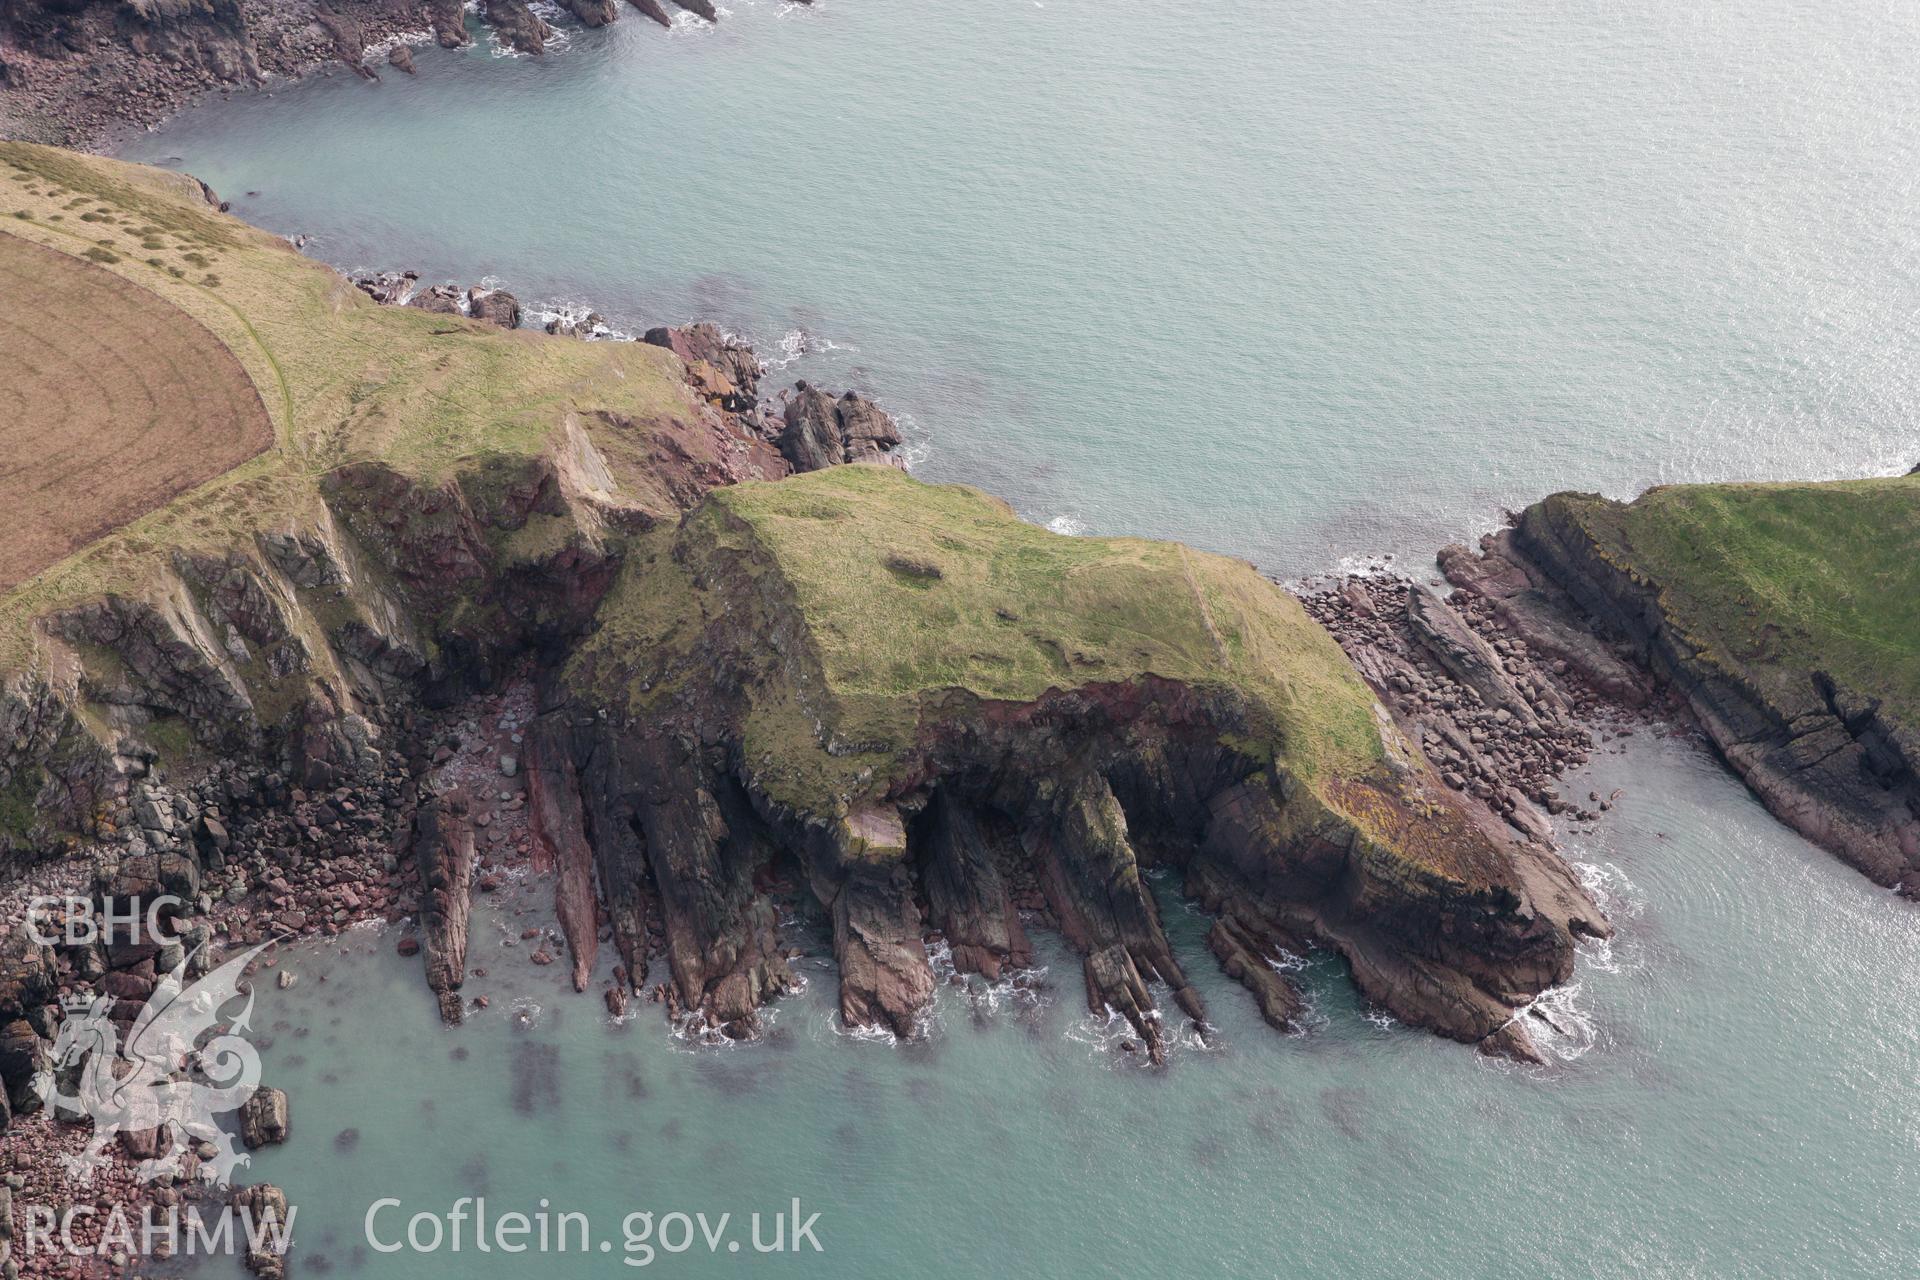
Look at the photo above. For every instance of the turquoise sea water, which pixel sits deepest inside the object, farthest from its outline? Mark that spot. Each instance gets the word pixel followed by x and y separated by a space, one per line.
pixel 1302 282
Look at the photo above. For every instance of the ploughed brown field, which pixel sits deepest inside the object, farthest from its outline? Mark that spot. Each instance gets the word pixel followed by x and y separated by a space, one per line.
pixel 112 400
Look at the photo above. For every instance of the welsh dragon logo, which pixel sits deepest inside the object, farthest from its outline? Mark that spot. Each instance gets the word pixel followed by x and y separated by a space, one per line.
pixel 163 1078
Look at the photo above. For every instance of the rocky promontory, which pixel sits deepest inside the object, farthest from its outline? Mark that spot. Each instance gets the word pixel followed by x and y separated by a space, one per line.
pixel 758 658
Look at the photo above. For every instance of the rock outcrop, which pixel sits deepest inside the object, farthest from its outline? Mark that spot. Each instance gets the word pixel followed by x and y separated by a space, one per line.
pixel 822 431
pixel 265 1228
pixel 593 13
pixel 495 306
pixel 264 1120
pixel 962 865
pixel 517 25
pixel 720 368
pixel 560 845
pixel 947 726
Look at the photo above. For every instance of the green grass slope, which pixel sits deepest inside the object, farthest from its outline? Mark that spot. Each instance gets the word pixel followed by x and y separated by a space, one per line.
pixel 1775 580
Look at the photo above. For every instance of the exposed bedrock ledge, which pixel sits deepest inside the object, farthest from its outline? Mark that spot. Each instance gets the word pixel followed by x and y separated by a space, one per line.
pixel 667 825
pixel 518 26
pixel 1827 760
pixel 560 844
pixel 932 715
pixel 966 867
pixel 443 847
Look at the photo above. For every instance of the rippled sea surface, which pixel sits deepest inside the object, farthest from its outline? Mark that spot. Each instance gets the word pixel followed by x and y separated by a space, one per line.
pixel 1303 282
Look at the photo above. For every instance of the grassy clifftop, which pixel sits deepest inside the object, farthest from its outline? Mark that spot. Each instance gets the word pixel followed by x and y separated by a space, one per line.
pixel 1777 580
pixel 343 379
pixel 912 589
pixel 877 597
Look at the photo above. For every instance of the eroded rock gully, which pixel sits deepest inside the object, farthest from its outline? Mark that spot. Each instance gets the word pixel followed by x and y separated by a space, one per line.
pixel 335 701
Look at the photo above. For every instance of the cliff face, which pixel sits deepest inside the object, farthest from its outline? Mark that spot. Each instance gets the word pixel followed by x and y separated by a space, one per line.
pixel 72 68
pixel 1788 617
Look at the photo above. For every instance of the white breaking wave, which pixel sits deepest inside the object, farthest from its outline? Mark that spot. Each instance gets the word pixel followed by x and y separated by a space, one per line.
pixel 1559 1027
pixel 540 315
pixel 1611 888
pixel 796 344
pixel 686 22
pixel 379 49
pixel 917 445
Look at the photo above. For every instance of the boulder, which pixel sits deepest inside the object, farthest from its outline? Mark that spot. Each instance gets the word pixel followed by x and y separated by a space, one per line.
pixel 495 306
pixel 519 27
pixel 264 1118
pixel 441 299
